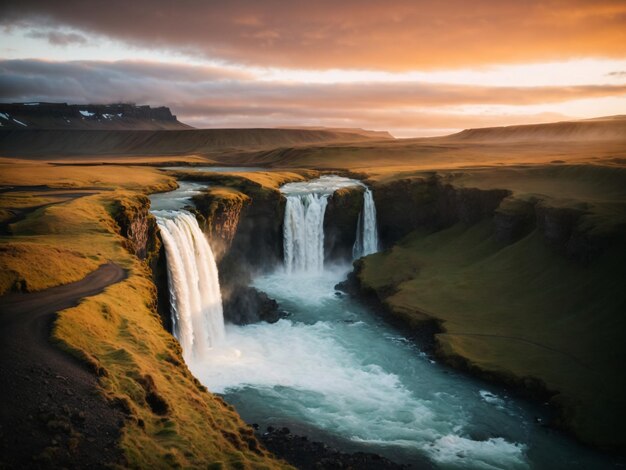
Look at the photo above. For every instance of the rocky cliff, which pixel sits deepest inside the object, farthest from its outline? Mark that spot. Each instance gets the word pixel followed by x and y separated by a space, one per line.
pixel 244 222
pixel 30 116
pixel 340 223
pixel 513 286
pixel 137 226
pixel 433 202
pixel 143 239
pixel 429 202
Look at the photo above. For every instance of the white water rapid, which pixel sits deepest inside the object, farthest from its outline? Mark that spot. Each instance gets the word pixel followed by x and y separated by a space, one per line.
pixel 195 298
pixel 303 229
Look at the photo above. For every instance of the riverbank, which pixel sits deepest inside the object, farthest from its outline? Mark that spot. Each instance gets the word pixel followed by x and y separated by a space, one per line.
pixel 518 314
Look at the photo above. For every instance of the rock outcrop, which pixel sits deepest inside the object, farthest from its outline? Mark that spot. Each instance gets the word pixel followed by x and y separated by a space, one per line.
pixel 433 203
pixel 143 239
pixel 220 210
pixel 137 226
pixel 246 305
pixel 340 223
pixel 120 116
pixel 430 203
pixel 244 226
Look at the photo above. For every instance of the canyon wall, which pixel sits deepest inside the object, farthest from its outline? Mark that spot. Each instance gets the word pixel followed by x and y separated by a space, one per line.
pixel 433 203
pixel 340 223
pixel 245 228
pixel 512 287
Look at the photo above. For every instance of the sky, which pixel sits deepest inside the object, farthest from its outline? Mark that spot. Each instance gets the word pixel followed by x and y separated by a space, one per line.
pixel 412 67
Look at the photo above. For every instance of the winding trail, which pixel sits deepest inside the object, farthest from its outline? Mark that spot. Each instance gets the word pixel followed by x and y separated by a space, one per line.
pixel 20 214
pixel 50 407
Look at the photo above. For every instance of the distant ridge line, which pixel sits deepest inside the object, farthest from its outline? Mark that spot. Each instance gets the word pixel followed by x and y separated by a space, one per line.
pixel 98 142
pixel 595 129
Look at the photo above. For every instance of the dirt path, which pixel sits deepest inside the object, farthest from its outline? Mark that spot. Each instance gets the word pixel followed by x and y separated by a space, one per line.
pixel 51 414
pixel 20 214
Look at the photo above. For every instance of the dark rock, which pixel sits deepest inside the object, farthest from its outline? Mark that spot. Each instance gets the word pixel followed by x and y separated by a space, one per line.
pixel 304 454
pixel 136 225
pixel 244 305
pixel 220 218
pixel 160 279
pixel 403 206
pixel 98 116
pixel 340 223
pixel 430 202
pixel 257 244
pixel 564 230
pixel 514 219
pixel 557 224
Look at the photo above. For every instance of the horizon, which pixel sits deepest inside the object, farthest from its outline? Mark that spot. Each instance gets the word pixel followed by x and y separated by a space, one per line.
pixel 412 69
pixel 321 127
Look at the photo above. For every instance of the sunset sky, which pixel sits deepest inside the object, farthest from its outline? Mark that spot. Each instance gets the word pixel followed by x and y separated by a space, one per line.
pixel 412 67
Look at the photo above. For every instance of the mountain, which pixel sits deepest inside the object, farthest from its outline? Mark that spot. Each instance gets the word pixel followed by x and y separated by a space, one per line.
pixel 87 116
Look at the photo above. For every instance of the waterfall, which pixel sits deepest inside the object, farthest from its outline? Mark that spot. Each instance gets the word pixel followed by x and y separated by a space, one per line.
pixel 367 230
pixel 303 232
pixel 195 298
pixel 303 227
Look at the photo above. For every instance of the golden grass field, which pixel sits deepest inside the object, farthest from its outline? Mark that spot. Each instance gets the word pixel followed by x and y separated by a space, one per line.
pixel 119 330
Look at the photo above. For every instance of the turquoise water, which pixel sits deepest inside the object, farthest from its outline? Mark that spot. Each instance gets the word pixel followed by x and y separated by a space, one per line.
pixel 335 371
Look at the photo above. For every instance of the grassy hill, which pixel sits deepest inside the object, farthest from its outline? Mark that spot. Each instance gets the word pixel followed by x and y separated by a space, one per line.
pixel 529 289
pixel 89 143
pixel 118 332
pixel 598 129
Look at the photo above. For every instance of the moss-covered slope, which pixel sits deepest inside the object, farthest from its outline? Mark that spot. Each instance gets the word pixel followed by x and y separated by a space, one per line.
pixel 539 307
pixel 171 420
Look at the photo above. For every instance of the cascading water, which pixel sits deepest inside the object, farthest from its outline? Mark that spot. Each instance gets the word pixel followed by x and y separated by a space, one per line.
pixel 303 232
pixel 367 229
pixel 195 298
pixel 303 228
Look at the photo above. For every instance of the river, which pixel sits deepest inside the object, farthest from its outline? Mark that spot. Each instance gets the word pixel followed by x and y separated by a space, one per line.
pixel 335 371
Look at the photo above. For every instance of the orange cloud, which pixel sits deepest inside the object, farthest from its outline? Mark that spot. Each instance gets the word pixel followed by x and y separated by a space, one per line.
pixel 213 97
pixel 361 34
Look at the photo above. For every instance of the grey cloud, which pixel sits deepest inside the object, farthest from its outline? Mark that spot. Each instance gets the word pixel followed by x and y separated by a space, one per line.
pixel 218 97
pixel 199 87
pixel 57 38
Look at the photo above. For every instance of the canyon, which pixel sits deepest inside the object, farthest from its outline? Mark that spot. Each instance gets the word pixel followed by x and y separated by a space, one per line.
pixel 452 287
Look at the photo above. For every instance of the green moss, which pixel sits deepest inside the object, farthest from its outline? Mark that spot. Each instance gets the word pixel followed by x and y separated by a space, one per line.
pixel 517 311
